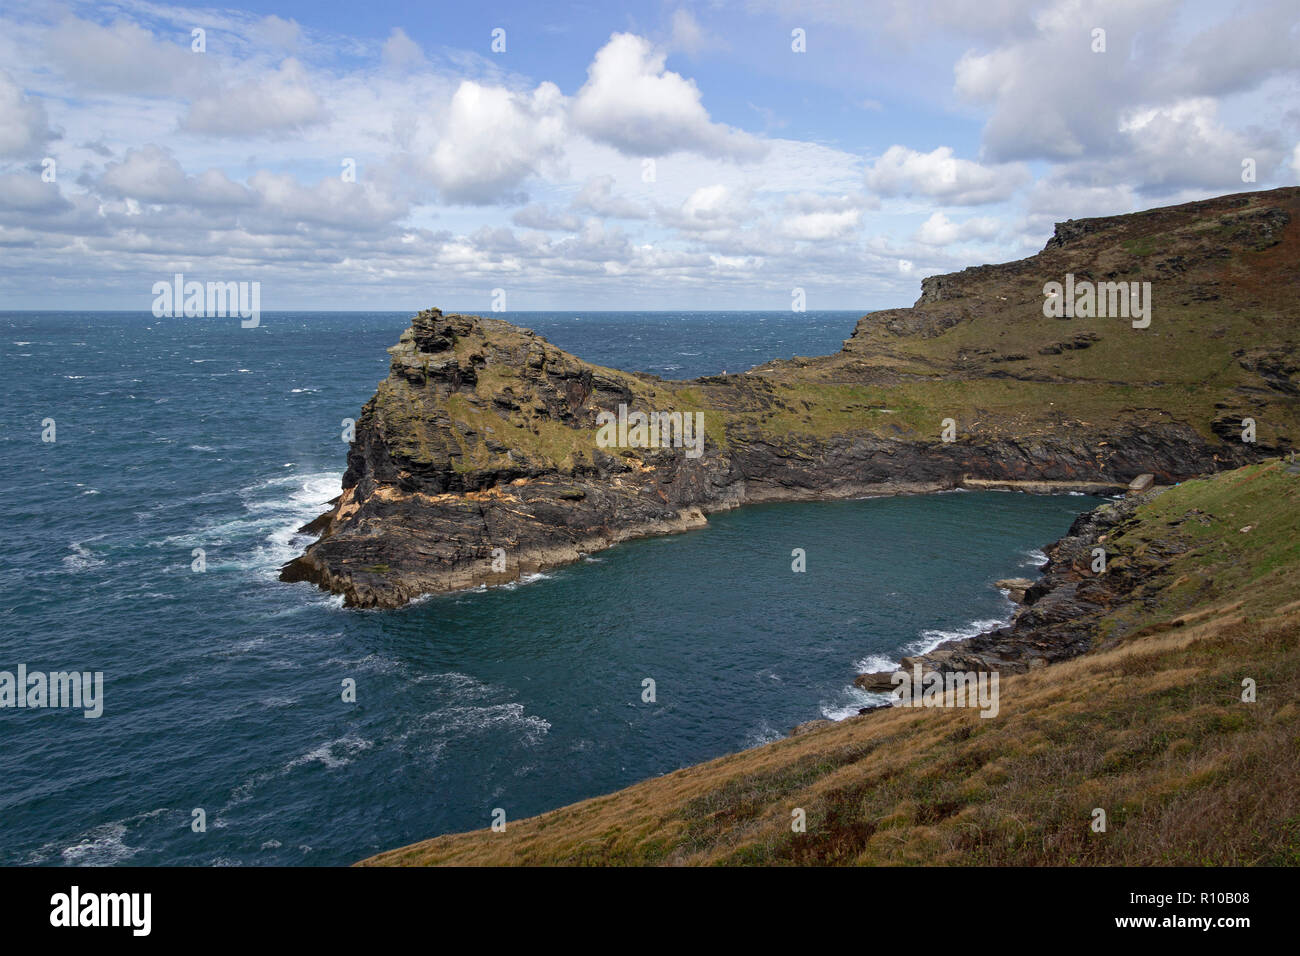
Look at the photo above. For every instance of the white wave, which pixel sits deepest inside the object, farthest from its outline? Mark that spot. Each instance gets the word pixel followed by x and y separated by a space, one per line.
pixel 525 579
pixel 932 638
pixel 852 699
pixel 265 535
pixel 333 753
pixel 102 846
pixel 766 734
pixel 875 663
pixel 274 703
pixel 81 559
pixel 460 720
pixel 1036 558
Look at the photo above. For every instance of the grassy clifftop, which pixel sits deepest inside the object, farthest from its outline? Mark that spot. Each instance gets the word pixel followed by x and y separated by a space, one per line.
pixel 1149 726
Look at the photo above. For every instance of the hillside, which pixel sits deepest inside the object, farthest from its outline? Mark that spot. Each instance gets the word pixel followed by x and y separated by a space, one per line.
pixel 1148 724
pixel 478 459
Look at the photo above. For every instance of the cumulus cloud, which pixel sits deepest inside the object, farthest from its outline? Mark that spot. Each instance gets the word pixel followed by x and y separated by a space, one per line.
pixel 538 216
pixel 25 192
pixel 822 225
pixel 270 203
pixel 279 101
pixel 277 31
pixel 23 125
pixel 1183 144
pixel 400 51
pixel 809 202
pixel 634 104
pixel 597 196
pixel 709 208
pixel 329 202
pixel 152 174
pixel 123 58
pixel 1053 94
pixel 687 34
pixel 939 230
pixel 938 174
pixel 494 139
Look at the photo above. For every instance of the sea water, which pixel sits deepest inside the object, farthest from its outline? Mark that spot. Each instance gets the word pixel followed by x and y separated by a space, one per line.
pixel 223 688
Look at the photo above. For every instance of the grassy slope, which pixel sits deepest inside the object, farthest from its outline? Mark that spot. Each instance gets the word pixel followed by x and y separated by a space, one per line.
pixel 1149 726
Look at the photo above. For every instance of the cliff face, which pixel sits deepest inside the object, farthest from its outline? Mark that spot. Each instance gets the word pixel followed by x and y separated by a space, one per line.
pixel 480 457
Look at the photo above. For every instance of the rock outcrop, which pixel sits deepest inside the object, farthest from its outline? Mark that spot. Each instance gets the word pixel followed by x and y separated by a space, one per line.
pixel 482 457
pixel 1062 609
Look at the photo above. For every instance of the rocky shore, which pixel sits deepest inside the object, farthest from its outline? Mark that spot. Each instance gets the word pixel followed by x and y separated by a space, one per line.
pixel 1060 612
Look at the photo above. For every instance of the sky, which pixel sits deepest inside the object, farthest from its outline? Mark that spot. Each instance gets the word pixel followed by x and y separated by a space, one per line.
pixel 584 156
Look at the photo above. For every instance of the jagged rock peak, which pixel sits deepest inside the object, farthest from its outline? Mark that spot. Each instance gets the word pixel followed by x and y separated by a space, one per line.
pixel 433 332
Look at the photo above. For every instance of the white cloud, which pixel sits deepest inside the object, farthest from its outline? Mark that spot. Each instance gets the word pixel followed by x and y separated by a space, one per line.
pixel 24 129
pixel 633 103
pixel 822 225
pixel 597 196
pixel 709 208
pixel 123 58
pixel 687 34
pixel 1182 144
pixel 1050 96
pixel 280 101
pixel 539 216
pixel 494 139
pixel 330 202
pixel 939 230
pixel 151 174
pixel 400 51
pixel 286 34
pixel 26 192
pixel 938 174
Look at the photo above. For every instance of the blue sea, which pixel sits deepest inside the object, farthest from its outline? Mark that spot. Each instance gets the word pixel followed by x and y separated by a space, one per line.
pixel 223 688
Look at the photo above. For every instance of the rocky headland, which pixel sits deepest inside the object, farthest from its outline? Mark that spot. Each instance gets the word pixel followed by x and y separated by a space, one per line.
pixel 478 459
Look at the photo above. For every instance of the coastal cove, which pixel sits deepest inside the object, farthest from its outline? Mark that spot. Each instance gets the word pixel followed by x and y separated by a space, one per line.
pixel 504 697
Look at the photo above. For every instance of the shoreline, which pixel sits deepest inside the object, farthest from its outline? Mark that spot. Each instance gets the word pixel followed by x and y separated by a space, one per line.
pixel 418 586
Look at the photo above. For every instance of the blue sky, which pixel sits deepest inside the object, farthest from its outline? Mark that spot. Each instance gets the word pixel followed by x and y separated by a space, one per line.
pixel 639 155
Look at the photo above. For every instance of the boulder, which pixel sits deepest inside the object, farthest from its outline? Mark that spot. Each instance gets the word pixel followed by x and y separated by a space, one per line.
pixel 1141 483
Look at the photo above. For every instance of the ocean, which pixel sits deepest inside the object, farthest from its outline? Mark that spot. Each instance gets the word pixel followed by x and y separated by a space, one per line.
pixel 223 689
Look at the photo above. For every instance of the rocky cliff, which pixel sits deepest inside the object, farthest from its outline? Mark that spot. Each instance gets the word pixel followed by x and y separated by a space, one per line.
pixel 482 457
